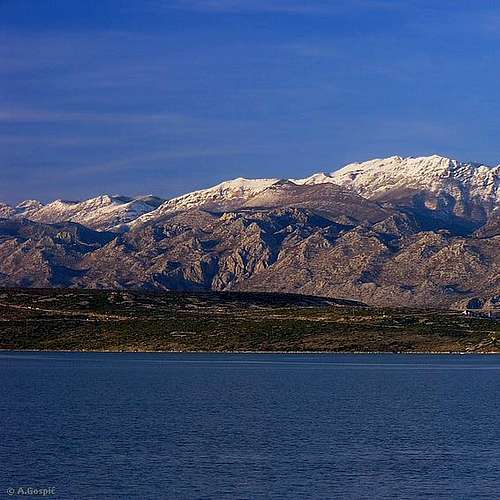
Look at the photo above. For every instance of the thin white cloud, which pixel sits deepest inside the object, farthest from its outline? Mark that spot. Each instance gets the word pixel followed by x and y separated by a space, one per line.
pixel 143 161
pixel 42 116
pixel 322 7
pixel 54 140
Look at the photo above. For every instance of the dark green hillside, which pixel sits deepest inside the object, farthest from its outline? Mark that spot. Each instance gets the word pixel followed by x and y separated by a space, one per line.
pixel 140 321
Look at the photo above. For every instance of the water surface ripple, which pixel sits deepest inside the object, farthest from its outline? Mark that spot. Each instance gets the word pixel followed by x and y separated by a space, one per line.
pixel 229 426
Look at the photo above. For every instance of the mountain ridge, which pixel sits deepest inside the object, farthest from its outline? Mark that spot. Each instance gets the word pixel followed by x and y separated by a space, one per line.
pixel 424 242
pixel 378 179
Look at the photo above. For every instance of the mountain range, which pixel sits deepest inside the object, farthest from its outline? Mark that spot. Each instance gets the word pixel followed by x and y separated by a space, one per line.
pixel 395 231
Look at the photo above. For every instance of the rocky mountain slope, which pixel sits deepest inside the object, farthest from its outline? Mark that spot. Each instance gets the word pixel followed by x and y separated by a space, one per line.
pixel 413 231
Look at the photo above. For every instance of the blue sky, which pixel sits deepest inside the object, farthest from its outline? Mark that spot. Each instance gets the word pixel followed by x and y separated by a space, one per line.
pixel 166 96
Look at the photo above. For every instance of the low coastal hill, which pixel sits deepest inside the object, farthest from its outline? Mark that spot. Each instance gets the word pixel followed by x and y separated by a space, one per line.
pixel 105 320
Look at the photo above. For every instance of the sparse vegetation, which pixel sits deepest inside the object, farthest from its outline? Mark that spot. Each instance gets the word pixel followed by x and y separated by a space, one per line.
pixel 49 319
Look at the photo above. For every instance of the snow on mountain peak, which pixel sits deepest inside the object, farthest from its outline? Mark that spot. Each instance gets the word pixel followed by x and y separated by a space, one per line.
pixel 227 190
pixel 382 179
pixel 226 193
pixel 432 173
pixel 29 205
pixel 102 212
pixel 370 179
pixel 240 185
pixel 319 178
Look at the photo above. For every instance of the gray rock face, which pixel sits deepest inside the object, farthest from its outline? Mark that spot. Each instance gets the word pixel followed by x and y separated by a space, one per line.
pixel 390 262
pixel 394 246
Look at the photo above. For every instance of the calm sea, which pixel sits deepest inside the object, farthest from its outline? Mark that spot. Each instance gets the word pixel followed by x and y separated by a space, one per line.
pixel 230 426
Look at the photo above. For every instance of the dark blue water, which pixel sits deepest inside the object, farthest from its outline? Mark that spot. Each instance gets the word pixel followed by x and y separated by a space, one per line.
pixel 228 426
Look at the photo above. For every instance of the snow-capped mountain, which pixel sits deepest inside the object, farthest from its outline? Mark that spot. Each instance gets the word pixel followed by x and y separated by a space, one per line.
pixel 23 209
pixel 28 206
pixel 103 212
pixel 434 183
pixel 6 211
pixel 466 189
pixel 435 173
pixel 226 195
pixel 395 231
